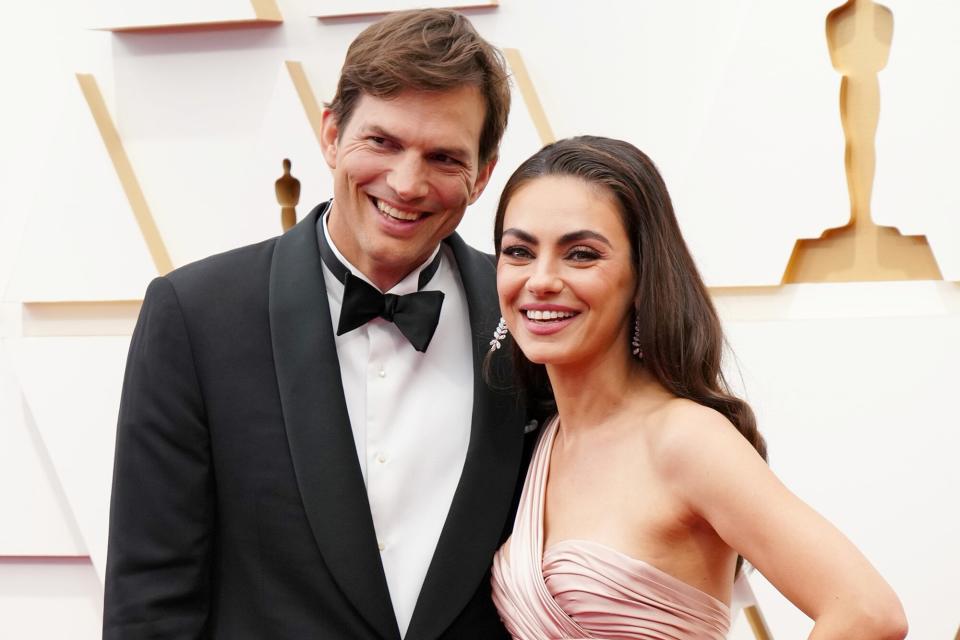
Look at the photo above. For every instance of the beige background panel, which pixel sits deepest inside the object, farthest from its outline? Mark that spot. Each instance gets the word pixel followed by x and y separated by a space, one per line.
pixel 765 165
pixel 368 8
pixel 72 387
pixel 46 598
pixel 176 15
pixel 80 240
pixel 41 101
pixel 291 129
pixel 919 130
pixel 522 81
pixel 522 139
pixel 44 118
pixel 834 301
pixel 735 101
pixel 859 34
pixel 190 109
pixel 79 318
pixel 37 519
pixel 126 174
pixel 312 108
pixel 860 419
pixel 836 371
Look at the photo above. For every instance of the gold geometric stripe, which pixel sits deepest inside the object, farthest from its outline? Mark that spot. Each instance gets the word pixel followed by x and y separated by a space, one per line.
pixel 529 93
pixel 266 10
pixel 128 179
pixel 307 98
pixel 757 623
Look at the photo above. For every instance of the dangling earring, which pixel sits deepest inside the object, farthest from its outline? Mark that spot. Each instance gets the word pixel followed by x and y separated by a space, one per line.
pixel 635 342
pixel 498 335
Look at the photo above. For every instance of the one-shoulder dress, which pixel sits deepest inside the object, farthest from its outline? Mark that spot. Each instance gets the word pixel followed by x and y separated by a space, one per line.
pixel 581 589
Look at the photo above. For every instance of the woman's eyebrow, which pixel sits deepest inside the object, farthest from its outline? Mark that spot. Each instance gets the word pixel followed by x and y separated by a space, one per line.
pixel 584 234
pixel 520 235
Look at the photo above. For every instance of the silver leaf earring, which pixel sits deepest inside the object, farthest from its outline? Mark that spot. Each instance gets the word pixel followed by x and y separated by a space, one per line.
pixel 635 342
pixel 498 335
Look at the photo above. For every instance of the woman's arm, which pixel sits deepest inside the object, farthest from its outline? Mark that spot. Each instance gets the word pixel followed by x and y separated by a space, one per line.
pixel 723 480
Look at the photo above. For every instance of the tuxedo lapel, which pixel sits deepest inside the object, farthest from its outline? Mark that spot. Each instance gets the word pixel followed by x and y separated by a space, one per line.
pixel 481 504
pixel 318 426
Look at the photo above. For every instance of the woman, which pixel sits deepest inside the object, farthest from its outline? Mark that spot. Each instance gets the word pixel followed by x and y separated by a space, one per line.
pixel 651 480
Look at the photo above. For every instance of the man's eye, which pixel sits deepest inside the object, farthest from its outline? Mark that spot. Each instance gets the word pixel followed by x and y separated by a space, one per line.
pixel 517 252
pixel 378 141
pixel 445 159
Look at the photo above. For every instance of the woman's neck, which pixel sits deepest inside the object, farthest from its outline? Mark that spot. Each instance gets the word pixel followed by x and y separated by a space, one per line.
pixel 588 393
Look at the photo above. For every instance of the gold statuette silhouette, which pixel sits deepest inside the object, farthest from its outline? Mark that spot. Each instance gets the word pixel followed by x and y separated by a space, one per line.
pixel 288 195
pixel 859 35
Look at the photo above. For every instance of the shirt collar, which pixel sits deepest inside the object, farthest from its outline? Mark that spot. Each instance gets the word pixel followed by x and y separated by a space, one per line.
pixel 408 284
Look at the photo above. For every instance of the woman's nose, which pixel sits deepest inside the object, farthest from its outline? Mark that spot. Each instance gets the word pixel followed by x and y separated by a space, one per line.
pixel 544 279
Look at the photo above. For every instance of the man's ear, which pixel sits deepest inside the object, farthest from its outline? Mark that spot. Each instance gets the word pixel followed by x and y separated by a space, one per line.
pixel 483 178
pixel 329 137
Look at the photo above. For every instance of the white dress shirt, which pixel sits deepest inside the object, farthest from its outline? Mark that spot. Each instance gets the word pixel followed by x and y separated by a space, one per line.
pixel 410 413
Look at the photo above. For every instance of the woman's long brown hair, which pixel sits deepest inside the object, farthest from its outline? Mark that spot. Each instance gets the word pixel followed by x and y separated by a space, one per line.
pixel 680 331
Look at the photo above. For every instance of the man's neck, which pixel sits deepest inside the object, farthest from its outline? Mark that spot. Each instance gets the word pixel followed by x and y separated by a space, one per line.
pixel 382 278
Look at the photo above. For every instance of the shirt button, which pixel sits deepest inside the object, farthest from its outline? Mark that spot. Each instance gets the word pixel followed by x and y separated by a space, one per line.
pixel 381 458
pixel 380 545
pixel 382 373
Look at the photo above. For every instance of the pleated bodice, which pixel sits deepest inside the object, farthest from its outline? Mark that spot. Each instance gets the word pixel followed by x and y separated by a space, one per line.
pixel 582 589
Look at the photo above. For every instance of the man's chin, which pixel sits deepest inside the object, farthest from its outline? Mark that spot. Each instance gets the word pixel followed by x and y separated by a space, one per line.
pixel 395 260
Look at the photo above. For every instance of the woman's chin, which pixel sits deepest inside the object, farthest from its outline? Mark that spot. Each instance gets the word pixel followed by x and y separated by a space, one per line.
pixel 546 354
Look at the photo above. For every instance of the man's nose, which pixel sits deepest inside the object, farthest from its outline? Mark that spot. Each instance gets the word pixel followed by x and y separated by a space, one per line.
pixel 408 177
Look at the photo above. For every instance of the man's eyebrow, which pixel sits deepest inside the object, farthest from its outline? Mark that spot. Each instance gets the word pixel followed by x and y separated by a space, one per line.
pixel 520 235
pixel 458 153
pixel 377 130
pixel 584 234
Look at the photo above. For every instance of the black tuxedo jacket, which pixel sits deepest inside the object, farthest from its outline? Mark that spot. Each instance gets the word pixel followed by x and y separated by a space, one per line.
pixel 238 507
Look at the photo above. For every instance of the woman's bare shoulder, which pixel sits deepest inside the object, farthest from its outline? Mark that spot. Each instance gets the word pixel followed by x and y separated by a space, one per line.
pixel 684 434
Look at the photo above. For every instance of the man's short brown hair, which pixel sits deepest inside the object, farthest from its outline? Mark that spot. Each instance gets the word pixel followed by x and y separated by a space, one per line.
pixel 428 50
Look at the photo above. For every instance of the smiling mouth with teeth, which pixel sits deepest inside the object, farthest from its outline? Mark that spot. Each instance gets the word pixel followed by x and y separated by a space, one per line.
pixel 397 214
pixel 548 316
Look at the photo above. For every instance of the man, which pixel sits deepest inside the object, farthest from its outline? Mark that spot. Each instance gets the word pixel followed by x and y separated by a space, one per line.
pixel 298 455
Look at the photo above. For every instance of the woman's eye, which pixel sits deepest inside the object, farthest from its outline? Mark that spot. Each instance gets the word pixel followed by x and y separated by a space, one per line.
pixel 516 251
pixel 582 254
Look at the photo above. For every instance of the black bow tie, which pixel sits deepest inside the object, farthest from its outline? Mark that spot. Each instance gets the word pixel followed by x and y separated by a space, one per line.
pixel 415 314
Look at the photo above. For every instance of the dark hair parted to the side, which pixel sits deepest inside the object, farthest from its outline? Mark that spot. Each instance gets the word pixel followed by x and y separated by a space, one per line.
pixel 679 328
pixel 426 50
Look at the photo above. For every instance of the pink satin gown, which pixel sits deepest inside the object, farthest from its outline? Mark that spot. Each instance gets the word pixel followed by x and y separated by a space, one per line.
pixel 581 589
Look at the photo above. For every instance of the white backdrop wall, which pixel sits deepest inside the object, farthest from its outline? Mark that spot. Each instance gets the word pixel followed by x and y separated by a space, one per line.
pixel 737 102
